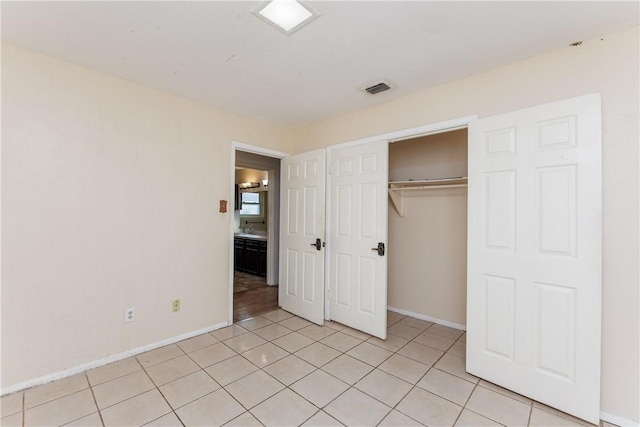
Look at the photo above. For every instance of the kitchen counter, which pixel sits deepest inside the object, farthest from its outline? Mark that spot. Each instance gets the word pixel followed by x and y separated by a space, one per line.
pixel 262 237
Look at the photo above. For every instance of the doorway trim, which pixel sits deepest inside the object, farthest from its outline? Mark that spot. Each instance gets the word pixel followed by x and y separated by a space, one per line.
pixel 271 252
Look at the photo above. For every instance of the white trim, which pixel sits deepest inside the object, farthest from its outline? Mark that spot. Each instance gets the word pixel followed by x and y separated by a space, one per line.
pixel 235 145
pixel 428 318
pixel 617 420
pixel 101 362
pixel 271 248
pixel 431 129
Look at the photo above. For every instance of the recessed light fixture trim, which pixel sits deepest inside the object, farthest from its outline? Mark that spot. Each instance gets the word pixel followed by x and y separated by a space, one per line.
pixel 287 16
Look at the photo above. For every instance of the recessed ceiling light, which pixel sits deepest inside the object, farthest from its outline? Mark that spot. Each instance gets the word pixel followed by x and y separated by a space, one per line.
pixel 286 15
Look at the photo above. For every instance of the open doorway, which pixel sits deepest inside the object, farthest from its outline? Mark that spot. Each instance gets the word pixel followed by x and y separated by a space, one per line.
pixel 255 235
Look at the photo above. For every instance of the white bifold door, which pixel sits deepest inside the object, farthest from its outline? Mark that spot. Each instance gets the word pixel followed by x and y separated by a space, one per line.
pixel 357 262
pixel 534 253
pixel 302 235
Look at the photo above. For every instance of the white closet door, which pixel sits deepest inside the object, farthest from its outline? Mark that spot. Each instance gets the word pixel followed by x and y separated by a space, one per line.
pixel 358 226
pixel 534 253
pixel 302 226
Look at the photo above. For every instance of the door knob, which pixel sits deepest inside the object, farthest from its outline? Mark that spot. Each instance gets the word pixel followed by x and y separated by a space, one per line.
pixel 317 244
pixel 379 249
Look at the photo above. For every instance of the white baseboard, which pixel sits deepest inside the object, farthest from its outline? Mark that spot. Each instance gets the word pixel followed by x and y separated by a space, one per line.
pixel 97 363
pixel 428 318
pixel 616 420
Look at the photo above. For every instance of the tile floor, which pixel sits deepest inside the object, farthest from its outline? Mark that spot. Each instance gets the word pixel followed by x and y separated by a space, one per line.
pixel 280 370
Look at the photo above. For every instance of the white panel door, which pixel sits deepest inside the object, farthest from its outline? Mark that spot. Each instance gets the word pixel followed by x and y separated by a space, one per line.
pixel 534 253
pixel 302 226
pixel 358 225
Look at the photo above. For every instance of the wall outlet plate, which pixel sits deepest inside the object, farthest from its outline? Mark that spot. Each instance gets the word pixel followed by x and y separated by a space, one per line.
pixel 175 305
pixel 129 314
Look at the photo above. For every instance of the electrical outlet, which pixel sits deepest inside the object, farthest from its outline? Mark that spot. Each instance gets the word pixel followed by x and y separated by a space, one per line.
pixel 129 314
pixel 175 305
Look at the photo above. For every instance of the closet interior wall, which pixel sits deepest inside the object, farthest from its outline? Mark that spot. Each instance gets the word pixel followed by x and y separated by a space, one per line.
pixel 427 273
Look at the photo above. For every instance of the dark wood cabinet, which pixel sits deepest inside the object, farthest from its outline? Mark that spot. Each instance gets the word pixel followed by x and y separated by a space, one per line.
pixel 250 256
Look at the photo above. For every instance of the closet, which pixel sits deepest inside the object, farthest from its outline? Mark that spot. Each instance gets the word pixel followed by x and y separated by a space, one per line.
pixel 427 264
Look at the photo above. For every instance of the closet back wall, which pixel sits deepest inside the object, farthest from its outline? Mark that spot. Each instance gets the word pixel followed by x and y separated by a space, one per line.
pixel 428 247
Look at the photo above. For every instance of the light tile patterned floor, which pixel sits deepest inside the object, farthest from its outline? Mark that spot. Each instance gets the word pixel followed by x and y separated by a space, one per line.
pixel 280 370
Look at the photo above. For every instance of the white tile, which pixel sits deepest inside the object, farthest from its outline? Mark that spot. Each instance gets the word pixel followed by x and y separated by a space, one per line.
pixel 173 369
pixel 244 420
pixel 284 409
pixel 197 342
pixel 11 403
pixel 136 411
pixel 499 408
pixel 54 390
pixel 429 409
pixel 458 349
pixel 347 369
pixel 230 370
pixel 317 354
pixel 395 419
pixel 404 368
pixel 384 387
pixel 341 342
pixel 445 331
pixel 265 354
pixel 470 419
pixel 213 354
pixel 189 388
pixel 277 315
pixel 61 411
pixel 254 323
pixel 316 332
pixel 362 336
pixel 421 353
pixel 369 353
pixel 121 389
pixel 169 420
pixel 254 388
pixel 322 419
pixel 228 332
pixel 90 420
pixel 159 355
pixel 540 418
pixel 353 407
pixel 319 388
pixel 245 342
pixel 293 342
pixel 393 317
pixel 334 325
pixel 558 413
pixel 415 323
pixel 504 392
pixel 14 420
pixel 272 332
pixel 214 409
pixel 113 370
pixel 295 323
pixel 403 331
pixel 455 365
pixel 289 370
pixel 392 343
pixel 446 385
pixel 434 341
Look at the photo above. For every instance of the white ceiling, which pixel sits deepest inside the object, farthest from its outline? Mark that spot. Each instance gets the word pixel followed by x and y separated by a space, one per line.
pixel 220 54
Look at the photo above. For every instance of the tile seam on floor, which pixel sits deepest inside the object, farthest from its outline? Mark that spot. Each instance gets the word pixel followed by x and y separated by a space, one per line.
pixel 95 401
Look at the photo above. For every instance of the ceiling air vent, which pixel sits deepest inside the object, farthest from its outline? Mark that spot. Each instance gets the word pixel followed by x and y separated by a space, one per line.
pixel 378 87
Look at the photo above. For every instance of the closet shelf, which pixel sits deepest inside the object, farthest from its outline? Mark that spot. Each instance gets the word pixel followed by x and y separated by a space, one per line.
pixel 398 188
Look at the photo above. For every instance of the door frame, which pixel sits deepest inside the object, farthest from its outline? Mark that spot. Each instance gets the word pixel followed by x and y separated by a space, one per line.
pixel 391 137
pixel 272 250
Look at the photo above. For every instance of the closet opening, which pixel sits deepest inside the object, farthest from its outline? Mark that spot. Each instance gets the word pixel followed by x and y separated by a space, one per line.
pixel 427 223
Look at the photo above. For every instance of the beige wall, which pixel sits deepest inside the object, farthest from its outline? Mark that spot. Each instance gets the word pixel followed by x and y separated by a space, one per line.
pixel 610 66
pixel 109 199
pixel 428 246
